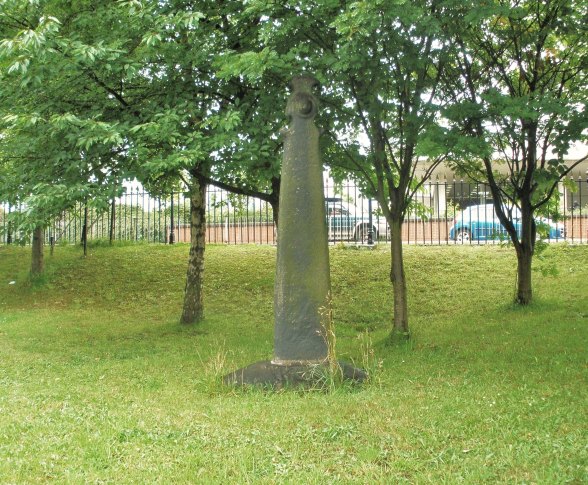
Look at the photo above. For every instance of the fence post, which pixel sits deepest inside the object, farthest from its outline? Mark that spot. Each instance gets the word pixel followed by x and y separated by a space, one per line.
pixel 85 230
pixel 370 234
pixel 172 235
pixel 112 221
pixel 142 214
pixel 9 228
pixel 580 211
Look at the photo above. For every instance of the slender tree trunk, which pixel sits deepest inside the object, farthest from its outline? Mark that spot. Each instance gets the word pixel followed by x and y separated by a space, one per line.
pixel 85 231
pixel 525 250
pixel 275 202
pixel 275 211
pixel 37 260
pixel 524 288
pixel 398 279
pixel 193 310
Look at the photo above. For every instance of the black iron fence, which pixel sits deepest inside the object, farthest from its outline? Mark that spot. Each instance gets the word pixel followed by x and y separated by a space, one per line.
pixel 443 212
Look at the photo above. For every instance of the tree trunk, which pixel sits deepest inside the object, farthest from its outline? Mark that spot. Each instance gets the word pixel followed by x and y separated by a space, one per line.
pixel 9 230
pixel 37 260
pixel 525 250
pixel 275 199
pixel 85 231
pixel 193 310
pixel 275 211
pixel 524 289
pixel 398 279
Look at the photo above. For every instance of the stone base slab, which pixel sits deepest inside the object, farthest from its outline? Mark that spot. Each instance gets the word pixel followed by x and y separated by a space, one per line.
pixel 311 375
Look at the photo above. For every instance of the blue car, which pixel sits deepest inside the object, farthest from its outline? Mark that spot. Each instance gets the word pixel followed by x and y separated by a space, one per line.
pixel 480 223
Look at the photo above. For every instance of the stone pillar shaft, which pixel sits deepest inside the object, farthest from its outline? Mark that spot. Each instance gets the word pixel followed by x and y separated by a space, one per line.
pixel 302 288
pixel 302 293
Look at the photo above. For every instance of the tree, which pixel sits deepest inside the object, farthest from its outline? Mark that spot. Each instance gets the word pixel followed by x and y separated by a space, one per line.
pixel 56 150
pixel 519 86
pixel 211 132
pixel 145 73
pixel 380 62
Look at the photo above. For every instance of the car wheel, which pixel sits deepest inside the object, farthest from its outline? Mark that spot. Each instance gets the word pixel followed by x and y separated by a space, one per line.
pixel 462 236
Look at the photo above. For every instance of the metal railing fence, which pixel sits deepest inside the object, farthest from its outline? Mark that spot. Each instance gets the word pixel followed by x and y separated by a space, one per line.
pixel 443 212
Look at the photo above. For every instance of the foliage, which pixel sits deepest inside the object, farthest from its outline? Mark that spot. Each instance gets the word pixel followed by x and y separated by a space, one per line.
pixel 61 142
pixel 130 87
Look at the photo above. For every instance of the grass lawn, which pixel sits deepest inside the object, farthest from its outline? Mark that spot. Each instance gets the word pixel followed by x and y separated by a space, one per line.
pixel 100 384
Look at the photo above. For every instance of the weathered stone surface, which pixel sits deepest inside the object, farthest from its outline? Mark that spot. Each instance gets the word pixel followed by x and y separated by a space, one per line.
pixel 302 306
pixel 301 293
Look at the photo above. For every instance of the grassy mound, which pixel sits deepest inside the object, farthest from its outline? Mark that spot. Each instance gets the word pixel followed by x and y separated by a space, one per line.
pixel 100 384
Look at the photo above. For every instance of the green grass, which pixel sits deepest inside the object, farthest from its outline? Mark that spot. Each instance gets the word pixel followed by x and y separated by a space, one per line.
pixel 100 384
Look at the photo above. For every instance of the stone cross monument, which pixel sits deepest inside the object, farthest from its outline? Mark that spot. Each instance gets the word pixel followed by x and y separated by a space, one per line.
pixel 302 289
